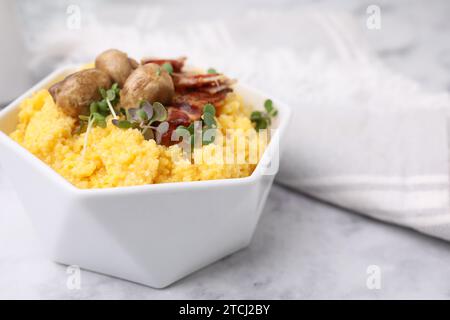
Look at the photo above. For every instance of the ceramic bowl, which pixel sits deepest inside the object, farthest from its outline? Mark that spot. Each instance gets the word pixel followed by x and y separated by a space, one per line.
pixel 151 234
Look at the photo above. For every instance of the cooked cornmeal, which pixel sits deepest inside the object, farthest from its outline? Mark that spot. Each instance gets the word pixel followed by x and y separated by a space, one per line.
pixel 116 157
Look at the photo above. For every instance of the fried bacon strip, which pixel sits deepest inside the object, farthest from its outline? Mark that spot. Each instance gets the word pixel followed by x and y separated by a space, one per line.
pixel 193 112
pixel 177 64
pixel 192 81
pixel 176 117
pixel 197 99
pixel 200 89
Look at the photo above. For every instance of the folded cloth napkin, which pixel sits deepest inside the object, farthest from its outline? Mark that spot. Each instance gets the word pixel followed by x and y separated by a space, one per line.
pixel 366 139
pixel 361 136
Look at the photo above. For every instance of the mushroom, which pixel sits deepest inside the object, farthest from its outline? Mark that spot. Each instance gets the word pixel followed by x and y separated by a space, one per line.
pixel 116 64
pixel 75 93
pixel 134 64
pixel 148 82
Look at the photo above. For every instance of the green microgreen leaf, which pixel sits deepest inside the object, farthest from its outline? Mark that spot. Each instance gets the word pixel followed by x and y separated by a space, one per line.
pixel 142 114
pixel 83 117
pixel 268 105
pixel 162 128
pixel 97 116
pixel 191 128
pixel 263 119
pixel 147 108
pixel 101 124
pixel 93 107
pixel 123 124
pixel 209 108
pixel 99 120
pixel 102 92
pixel 262 124
pixel 168 67
pixel 102 106
pixel 255 116
pixel 212 71
pixel 209 120
pixel 159 112
pixel 131 114
pixel 148 133
pixel 110 95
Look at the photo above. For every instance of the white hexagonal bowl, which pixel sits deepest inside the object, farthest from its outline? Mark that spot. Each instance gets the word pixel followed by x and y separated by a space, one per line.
pixel 151 234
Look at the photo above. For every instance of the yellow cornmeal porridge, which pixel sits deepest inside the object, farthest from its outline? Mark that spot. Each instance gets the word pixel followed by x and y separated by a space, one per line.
pixel 115 157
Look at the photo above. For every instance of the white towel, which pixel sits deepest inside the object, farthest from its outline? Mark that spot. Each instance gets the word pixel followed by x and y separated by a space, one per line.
pixel 361 137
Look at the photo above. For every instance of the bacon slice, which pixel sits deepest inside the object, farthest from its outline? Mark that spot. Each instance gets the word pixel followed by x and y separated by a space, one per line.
pixel 197 99
pixel 194 113
pixel 176 117
pixel 214 90
pixel 184 80
pixel 177 64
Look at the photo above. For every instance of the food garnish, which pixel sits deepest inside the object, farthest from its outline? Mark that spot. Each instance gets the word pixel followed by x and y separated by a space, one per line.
pixel 110 97
pixel 149 119
pixel 262 119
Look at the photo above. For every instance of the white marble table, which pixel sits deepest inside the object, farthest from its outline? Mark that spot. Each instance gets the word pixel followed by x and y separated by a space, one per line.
pixel 302 249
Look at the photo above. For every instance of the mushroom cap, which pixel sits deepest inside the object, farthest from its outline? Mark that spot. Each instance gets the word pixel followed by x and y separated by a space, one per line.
pixel 116 64
pixel 77 91
pixel 148 82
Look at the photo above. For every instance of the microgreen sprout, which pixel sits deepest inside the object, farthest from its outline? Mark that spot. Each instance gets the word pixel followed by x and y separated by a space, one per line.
pixel 98 111
pixel 212 71
pixel 111 96
pixel 149 119
pixel 268 105
pixel 168 67
pixel 263 119
pixel 209 121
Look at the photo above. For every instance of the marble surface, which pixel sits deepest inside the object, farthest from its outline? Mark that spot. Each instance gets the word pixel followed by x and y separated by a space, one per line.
pixel 302 248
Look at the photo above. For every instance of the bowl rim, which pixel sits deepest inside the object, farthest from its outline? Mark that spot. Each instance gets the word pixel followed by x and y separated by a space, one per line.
pixel 258 172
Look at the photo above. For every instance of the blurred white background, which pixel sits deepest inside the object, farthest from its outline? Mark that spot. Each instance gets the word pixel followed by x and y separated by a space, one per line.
pixel 411 38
